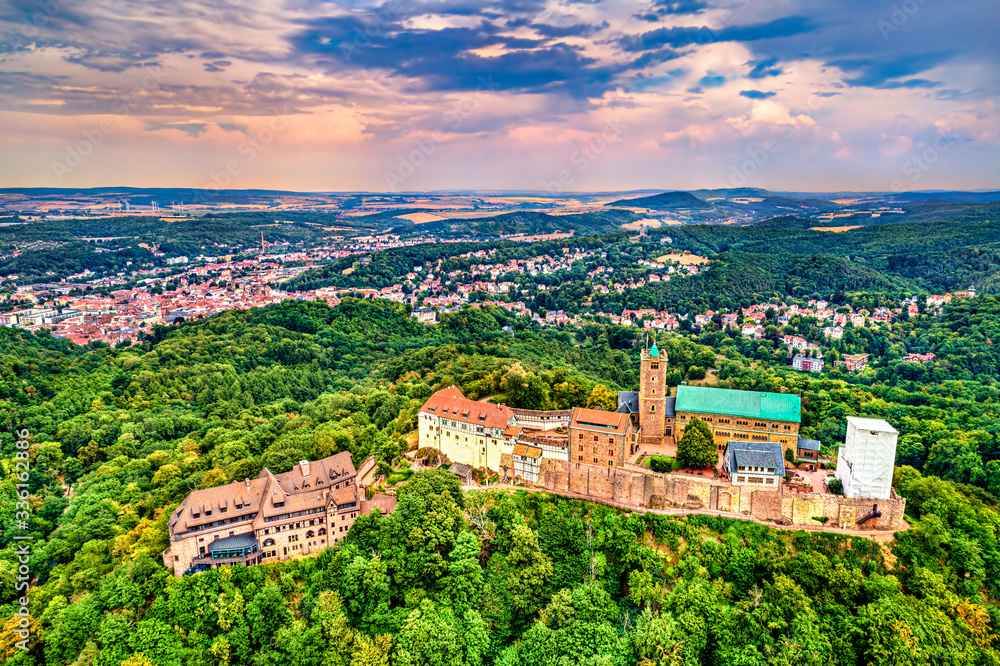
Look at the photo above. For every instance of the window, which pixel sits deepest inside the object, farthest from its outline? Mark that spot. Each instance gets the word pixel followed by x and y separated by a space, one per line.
pixel 611 452
pixel 222 509
pixel 652 409
pixel 268 542
pixel 655 365
pixel 595 461
pixel 292 538
pixel 609 463
pixel 310 534
pixel 595 449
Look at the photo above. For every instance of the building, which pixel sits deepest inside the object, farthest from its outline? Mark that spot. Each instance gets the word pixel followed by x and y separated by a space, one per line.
pixel 865 462
pixel 542 420
pixel 853 362
pixel 527 462
pixel 807 449
pixel 656 415
pixel 424 315
pixel 271 517
pixel 806 364
pixel 757 464
pixel 464 430
pixel 601 438
pixel 740 415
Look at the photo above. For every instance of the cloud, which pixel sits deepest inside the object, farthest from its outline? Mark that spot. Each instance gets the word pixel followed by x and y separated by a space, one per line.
pixel 764 68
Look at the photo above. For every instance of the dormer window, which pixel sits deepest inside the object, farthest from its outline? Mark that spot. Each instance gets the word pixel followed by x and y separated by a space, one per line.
pixel 222 509
pixel 208 513
pixel 196 515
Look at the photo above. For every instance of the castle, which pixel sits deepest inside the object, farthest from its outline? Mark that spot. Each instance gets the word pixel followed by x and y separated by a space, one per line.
pixel 585 452
pixel 481 434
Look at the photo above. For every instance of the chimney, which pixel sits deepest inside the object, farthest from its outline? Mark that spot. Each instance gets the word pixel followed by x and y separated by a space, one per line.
pixel 247 479
pixel 304 464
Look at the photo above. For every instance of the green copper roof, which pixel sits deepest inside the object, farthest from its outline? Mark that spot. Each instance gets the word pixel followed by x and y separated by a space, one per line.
pixel 750 404
pixel 654 352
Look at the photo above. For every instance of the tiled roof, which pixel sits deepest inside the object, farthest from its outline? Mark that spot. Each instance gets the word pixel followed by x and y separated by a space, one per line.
pixel 451 404
pixel 808 444
pixel 598 421
pixel 755 454
pixel 232 542
pixel 628 402
pixel 749 404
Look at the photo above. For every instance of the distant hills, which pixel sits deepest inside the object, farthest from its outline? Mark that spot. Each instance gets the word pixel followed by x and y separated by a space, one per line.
pixel 665 201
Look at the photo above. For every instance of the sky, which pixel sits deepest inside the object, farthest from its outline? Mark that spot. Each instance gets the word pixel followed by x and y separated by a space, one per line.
pixel 548 95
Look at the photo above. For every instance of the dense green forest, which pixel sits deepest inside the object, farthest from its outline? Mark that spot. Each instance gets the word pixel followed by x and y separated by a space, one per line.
pixel 464 578
pixel 939 248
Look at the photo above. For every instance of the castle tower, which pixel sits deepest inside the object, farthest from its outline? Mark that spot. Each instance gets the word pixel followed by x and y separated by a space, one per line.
pixel 652 395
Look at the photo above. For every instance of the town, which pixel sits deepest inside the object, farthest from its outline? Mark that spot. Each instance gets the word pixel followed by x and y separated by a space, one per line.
pixel 123 309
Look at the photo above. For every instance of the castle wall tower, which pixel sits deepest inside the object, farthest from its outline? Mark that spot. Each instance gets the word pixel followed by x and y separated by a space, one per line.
pixel 652 395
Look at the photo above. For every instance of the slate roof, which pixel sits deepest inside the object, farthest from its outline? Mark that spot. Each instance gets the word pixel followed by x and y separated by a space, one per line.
pixel 236 541
pixel 461 470
pixel 808 444
pixel 748 404
pixel 754 454
pixel 628 402
pixel 669 407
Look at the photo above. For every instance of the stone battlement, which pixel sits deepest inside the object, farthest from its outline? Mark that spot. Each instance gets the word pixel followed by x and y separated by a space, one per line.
pixel 666 491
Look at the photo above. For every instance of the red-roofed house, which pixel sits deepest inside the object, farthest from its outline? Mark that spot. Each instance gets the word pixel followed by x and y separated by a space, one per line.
pixel 466 431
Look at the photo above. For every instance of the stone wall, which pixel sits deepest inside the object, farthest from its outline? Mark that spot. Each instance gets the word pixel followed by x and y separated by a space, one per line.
pixel 663 491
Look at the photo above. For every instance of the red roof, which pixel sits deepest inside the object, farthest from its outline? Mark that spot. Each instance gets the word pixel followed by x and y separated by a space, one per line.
pixel 597 420
pixel 450 403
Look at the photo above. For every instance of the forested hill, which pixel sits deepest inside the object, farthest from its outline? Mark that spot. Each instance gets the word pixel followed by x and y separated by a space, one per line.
pixel 456 578
pixel 740 278
pixel 940 254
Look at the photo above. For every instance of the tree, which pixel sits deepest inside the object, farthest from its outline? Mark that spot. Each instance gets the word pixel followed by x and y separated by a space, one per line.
pixel 697 446
pixel 602 398
pixel 530 571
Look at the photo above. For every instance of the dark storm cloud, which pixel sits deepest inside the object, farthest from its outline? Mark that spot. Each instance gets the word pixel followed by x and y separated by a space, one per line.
pixel 444 59
pixel 884 73
pixel 764 68
pixel 688 36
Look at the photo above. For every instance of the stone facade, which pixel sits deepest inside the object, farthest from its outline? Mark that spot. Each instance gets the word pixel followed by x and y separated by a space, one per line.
pixel 273 517
pixel 653 393
pixel 726 428
pixel 663 491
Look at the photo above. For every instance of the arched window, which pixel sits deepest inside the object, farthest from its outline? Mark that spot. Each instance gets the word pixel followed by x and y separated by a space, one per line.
pixel 322 531
pixel 268 542
pixel 310 534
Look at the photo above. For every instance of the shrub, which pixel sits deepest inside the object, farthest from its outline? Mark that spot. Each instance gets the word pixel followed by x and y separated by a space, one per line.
pixel 835 485
pixel 660 464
